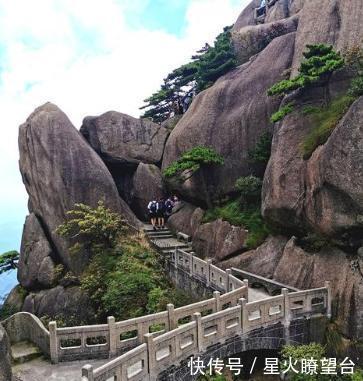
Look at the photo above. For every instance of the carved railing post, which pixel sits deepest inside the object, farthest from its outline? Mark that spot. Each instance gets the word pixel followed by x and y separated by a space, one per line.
pixel 176 258
pixel 150 353
pixel 245 281
pixel 244 314
pixel 229 287
pixel 209 262
pixel 217 298
pixel 329 300
pixel 171 317
pixel 87 372
pixel 198 320
pixel 53 342
pixel 112 336
pixel 287 314
pixel 191 264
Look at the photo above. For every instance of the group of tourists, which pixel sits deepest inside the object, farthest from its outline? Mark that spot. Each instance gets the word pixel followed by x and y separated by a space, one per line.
pixel 160 210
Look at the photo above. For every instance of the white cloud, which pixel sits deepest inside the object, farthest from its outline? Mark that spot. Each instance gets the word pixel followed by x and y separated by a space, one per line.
pixel 48 57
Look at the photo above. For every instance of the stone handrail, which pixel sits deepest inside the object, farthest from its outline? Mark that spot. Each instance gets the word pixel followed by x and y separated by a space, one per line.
pixel 115 338
pixel 160 352
pixel 270 284
pixel 24 326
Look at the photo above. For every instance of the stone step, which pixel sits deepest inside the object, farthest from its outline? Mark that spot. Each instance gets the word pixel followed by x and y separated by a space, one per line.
pixel 158 232
pixel 161 236
pixel 24 351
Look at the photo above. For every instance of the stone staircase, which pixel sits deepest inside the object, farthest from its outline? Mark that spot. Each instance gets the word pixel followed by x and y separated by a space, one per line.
pixel 23 352
pixel 165 242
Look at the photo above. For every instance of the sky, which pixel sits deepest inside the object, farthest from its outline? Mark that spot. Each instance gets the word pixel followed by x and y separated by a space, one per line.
pixel 89 57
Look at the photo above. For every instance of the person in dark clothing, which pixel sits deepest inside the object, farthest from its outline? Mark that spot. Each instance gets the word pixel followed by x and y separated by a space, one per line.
pixel 160 212
pixel 169 205
pixel 152 209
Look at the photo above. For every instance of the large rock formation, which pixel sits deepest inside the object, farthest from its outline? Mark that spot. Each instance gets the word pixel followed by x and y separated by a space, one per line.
pixel 64 303
pixel 147 186
pixel 288 263
pixel 219 240
pixel 59 169
pixel 121 138
pixel 318 194
pixel 124 142
pixel 230 117
pixel 36 266
pixel 5 363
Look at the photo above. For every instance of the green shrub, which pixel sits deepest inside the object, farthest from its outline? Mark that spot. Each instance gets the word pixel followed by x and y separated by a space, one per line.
pixel 97 228
pixel 249 188
pixel 8 261
pixel 193 160
pixel 282 112
pixel 323 121
pixel 250 218
pixel 356 87
pixel 319 63
pixel 262 151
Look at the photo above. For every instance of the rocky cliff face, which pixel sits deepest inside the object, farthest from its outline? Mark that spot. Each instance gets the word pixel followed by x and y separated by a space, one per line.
pixel 321 195
pixel 5 364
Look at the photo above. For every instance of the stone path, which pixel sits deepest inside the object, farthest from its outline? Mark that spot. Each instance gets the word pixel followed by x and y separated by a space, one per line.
pixel 41 369
pixel 166 242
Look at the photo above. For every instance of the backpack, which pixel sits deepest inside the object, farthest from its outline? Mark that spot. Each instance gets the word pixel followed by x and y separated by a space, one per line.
pixel 153 207
pixel 169 206
pixel 161 206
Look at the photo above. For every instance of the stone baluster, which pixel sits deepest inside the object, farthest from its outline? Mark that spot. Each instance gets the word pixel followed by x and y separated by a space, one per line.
pixel 245 281
pixel 229 287
pixel 87 372
pixel 287 314
pixel 329 300
pixel 198 319
pixel 171 317
pixel 112 336
pixel 150 354
pixel 53 342
pixel 217 298
pixel 244 314
pixel 208 272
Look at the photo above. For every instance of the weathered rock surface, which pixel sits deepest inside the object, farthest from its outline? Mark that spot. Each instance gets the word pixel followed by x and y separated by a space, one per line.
pixel 5 362
pixel 36 266
pixel 287 263
pixel 219 240
pixel 230 117
pixel 123 139
pixel 147 186
pixel 186 218
pixel 338 23
pixel 320 193
pixel 60 169
pixel 15 300
pixel 61 302
pixel 252 39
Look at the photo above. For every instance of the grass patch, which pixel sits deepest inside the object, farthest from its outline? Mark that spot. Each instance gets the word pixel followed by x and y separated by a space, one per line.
pixel 250 218
pixel 324 120
pixel 282 112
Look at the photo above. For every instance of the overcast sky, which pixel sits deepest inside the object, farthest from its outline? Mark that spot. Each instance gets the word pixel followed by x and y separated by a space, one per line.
pixel 89 57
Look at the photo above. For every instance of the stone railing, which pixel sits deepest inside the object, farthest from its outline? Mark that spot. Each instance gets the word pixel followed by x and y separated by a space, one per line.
pixel 24 326
pixel 115 338
pixel 160 352
pixel 271 286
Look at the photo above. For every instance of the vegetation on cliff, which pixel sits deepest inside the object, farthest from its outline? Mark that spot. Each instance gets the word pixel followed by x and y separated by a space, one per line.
pixel 319 64
pixel 197 160
pixel 210 63
pixel 9 261
pixel 125 277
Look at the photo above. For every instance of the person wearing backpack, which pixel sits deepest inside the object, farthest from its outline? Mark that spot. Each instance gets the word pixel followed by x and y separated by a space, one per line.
pixel 160 212
pixel 169 205
pixel 152 209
